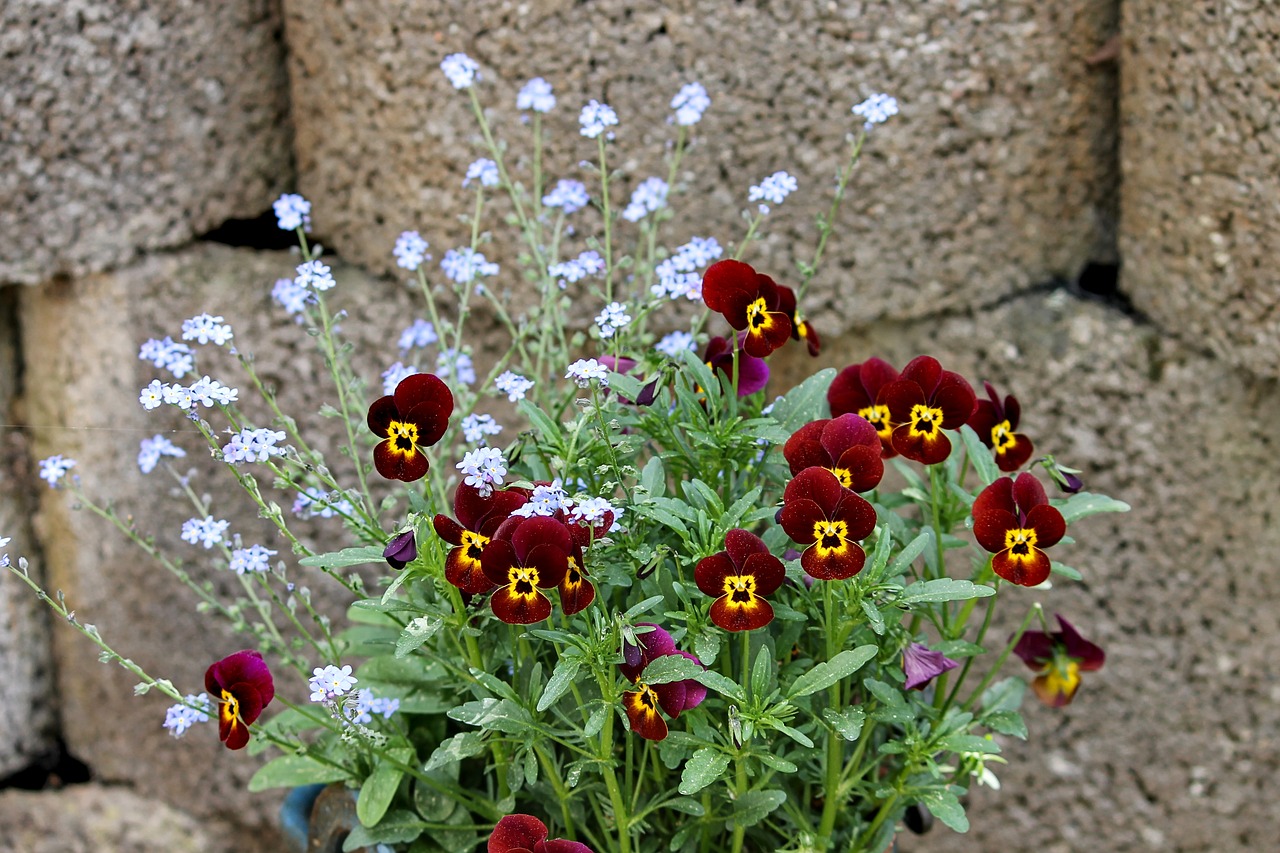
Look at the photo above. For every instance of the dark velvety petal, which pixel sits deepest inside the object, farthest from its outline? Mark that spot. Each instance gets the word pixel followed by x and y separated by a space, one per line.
pixel 876 373
pixel 517 608
pixel 507 528
pixel 848 431
pixel 797 518
pixel 243 667
pixel 576 592
pixel 998 495
pixel 717 348
pixel 741 617
pixel 984 420
pixel 858 513
pixel 670 697
pixel 1048 524
pixel 516 832
pixel 847 393
pixel 1031 570
pixel 250 703
pixel 711 571
pixel 833 565
pixel 818 485
pixel 786 300
pixel 551 563
pixel 694 691
pixel 423 389
pixel 1088 656
pixel 559 845
pixel 723 279
pixel 804 448
pixel 921 447
pixel 769 336
pixel 990 526
pixel 767 289
pixel 1028 493
pixel 401 550
pixel 540 530
pixel 381 414
pixel 1012 411
pixel 753 374
pixel 233 733
pixel 396 465
pixel 498 559
pixel 642 712
pixel 768 572
pixel 921 665
pixel 472 508
pixel 735 308
pixel 1034 648
pixel 804 331
pixel 900 397
pixel 740 544
pixel 656 643
pixel 925 371
pixel 955 397
pixel 1016 456
pixel 863 466
pixel 448 529
pixel 466 573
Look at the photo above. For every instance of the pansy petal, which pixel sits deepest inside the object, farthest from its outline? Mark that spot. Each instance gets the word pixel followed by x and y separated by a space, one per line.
pixel 983 420
pixel 432 419
pixel 876 373
pixel 399 465
pixel 516 832
pixel 1048 524
pixel 1034 648
pixel 576 592
pixel 540 530
pixel 724 278
pixel 518 607
pixel 768 572
pixel 740 544
pixel 560 845
pixel 1028 493
pixel 847 393
pixel 656 643
pixel 497 560
pixel 998 495
pixel 925 371
pixel 955 397
pixel 858 513
pixel 671 697
pixel 863 466
pixel 818 485
pixel 736 616
pixel 925 448
pixel 772 333
pixel 990 526
pixel 1029 570
pixel 753 374
pixel 900 397
pixel 1089 656
pixel 551 563
pixel 833 564
pixel 735 309
pixel 642 712
pixel 381 414
pixel 846 431
pixel 711 571
pixel 467 573
pixel 1052 691
pixel 1012 411
pixel 798 518
pixel 421 388
pixel 804 449
pixel 448 529
pixel 1015 456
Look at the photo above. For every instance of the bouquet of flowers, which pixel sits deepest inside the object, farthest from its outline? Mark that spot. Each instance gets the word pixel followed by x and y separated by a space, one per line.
pixel 671 609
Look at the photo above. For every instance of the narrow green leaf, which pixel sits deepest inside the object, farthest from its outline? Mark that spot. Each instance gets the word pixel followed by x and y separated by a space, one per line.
pixel 416 633
pixel 1006 723
pixel 782 765
pixel 501 715
pixel 874 617
pixel 456 748
pixel 685 805
pixel 596 721
pixel 942 589
pixel 979 455
pixel 654 477
pixel 969 743
pixel 669 668
pixel 945 806
pixel 541 421
pixel 879 557
pixel 795 734
pixel 1084 504
pixel 399 827
pixel 290 771
pixel 722 685
pixel 643 607
pixel 377 791
pixel 561 680
pixel 909 553
pixel 627 386
pixel 703 767
pixel 804 403
pixel 754 806
pixel 825 674
pixel 1066 571
pixel 344 558
pixel 1004 695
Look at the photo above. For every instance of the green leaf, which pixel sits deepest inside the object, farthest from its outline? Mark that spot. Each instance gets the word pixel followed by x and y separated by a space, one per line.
pixel 377 791
pixel 653 479
pixel 782 765
pixel 721 684
pixel 1005 695
pixel 795 734
pixel 596 721
pixel 761 672
pixel 909 553
pixel 541 421
pixel 669 668
pixel 290 771
pixel 980 455
pixel 399 827
pixel 561 680
pixel 456 748
pixel 344 558
pixel 945 806
pixel 828 673
pixel 416 633
pixel 642 607
pixel 847 722
pixel 627 386
pixel 942 589
pixel 804 403
pixel 501 715
pixel 879 558
pixel 1084 504
pixel 754 806
pixel 703 767
pixel 1006 723
pixel 1066 571
pixel 874 617
pixel 969 743
pixel 685 805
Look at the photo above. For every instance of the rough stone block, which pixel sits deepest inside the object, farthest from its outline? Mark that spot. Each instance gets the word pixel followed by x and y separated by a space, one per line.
pixel 133 125
pixel 997 173
pixel 1200 147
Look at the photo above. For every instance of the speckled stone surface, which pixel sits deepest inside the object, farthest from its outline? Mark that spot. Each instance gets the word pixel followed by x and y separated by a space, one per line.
pixel 131 126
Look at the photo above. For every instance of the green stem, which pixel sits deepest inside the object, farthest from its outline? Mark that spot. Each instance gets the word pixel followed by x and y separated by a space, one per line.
pixel 827 225
pixel 1004 655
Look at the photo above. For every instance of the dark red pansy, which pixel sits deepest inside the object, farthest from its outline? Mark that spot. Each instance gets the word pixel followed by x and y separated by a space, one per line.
pixel 753 373
pixel 749 301
pixel 648 393
pixel 641 705
pixel 526 555
pixel 478 518
pixel 924 401
pixel 401 550
pixel 800 330
pixel 820 513
pixel 1013 520
pixel 241 684
pixel 856 390
pixel 576 591
pixel 650 646
pixel 522 833
pixel 847 446
pixel 740 577
pixel 995 423
pixel 409 420
pixel 920 665
pixel 1058 659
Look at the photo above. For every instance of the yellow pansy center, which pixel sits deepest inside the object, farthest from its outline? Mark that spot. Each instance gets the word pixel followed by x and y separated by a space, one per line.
pixel 925 420
pixel 1020 542
pixel 741 589
pixel 844 476
pixel 523 581
pixel 1062 679
pixel 472 547
pixel 403 437
pixel 230 708
pixel 758 314
pixel 830 537
pixel 1002 437
pixel 878 417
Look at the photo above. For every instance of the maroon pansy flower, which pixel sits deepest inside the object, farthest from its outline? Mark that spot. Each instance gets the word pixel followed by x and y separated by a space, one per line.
pixel 410 420
pixel 856 389
pixel 921 665
pixel 642 704
pixel 478 518
pixel 995 423
pixel 241 684
pixel 1058 659
pixel 522 833
pixel 740 577
pixel 923 402
pixel 750 302
pixel 401 550
pixel 525 555
pixel 576 592
pixel 753 373
pixel 800 330
pixel 820 513
pixel 1013 520
pixel 847 446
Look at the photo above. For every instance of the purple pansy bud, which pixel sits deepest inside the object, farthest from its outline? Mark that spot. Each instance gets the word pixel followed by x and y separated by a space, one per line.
pixel 922 665
pixel 401 550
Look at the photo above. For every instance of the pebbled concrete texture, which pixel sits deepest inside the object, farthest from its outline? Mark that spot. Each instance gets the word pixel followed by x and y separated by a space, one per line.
pixel 1200 138
pixel 132 126
pixel 996 174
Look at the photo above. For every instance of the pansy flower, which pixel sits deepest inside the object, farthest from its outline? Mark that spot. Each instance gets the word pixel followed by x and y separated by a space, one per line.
pixel 847 446
pixel 923 402
pixel 242 686
pixel 401 550
pixel 753 373
pixel 1013 520
pixel 920 665
pixel 740 577
pixel 576 592
pixel 642 704
pixel 412 418
pixel 750 302
pixel 800 329
pixel 526 555
pixel 522 833
pixel 856 389
pixel 478 518
pixel 820 513
pixel 1058 659
pixel 995 423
